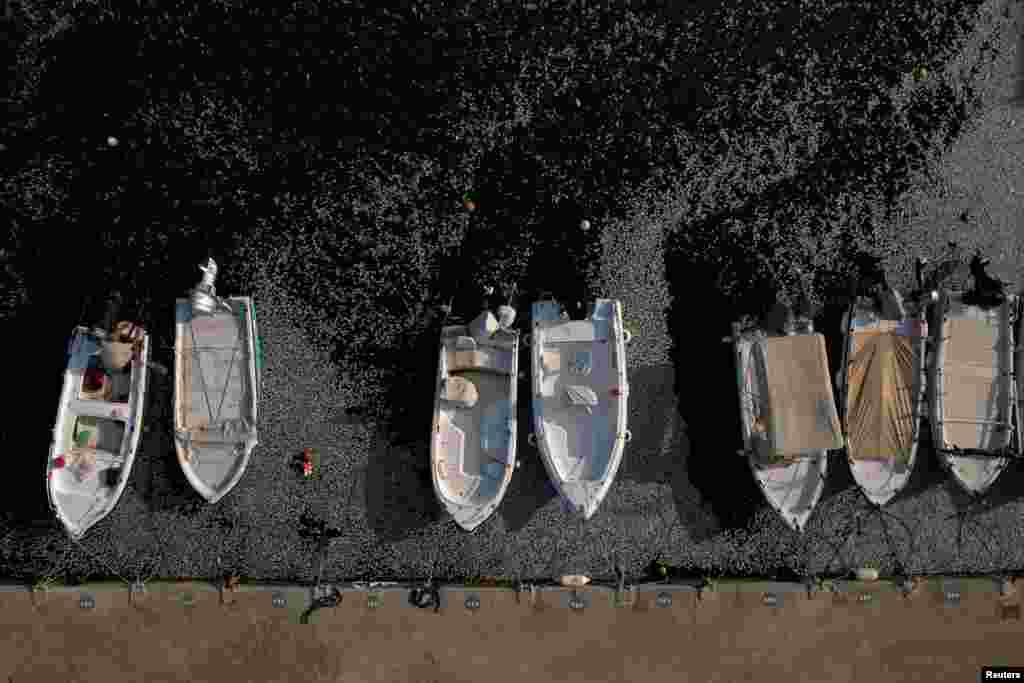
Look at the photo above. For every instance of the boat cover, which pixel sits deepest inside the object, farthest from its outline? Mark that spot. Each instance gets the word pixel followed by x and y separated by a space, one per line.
pixel 801 407
pixel 976 381
pixel 881 377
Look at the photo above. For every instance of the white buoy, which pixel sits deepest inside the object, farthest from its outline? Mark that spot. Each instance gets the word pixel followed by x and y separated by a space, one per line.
pixel 867 574
pixel 112 141
pixel 585 224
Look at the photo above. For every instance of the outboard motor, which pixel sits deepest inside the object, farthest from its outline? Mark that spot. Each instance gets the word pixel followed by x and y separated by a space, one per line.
pixel 987 291
pixel 780 319
pixel 506 317
pixel 204 295
pixel 483 326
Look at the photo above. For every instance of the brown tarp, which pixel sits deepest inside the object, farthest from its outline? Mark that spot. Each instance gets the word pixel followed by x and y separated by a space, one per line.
pixel 801 407
pixel 881 377
pixel 972 386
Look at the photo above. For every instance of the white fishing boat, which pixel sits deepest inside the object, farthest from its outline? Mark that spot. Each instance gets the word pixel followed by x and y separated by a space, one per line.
pixel 217 355
pixel 788 415
pixel 99 422
pixel 579 398
pixel 973 398
pixel 473 445
pixel 882 380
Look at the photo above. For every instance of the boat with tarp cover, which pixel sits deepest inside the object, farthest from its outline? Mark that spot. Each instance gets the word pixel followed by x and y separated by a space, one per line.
pixel 788 413
pixel 973 397
pixel 217 353
pixel 882 381
pixel 579 398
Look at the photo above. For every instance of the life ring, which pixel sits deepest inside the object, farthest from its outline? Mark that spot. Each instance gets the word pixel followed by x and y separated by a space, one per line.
pixel 627 436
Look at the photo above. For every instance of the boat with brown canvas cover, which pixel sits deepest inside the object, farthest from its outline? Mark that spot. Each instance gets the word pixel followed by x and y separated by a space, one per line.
pixel 788 414
pixel 882 381
pixel 217 355
pixel 973 397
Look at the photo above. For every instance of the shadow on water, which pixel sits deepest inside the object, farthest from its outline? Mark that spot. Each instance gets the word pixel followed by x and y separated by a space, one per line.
pixel 701 259
pixel 519 253
pixel 399 490
pixel 660 449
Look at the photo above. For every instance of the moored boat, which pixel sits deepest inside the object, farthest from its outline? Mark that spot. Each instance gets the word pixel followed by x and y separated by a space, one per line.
pixel 580 392
pixel 882 381
pixel 99 423
pixel 216 386
pixel 973 396
pixel 473 442
pixel 787 413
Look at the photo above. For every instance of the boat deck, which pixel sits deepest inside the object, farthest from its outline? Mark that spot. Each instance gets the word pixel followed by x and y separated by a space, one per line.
pixel 580 438
pixel 215 406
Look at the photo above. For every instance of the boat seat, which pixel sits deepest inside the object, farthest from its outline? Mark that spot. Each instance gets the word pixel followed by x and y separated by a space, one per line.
pixel 483 358
pixel 221 431
pixel 585 331
pixel 557 439
pixel 551 360
pixel 101 458
pixel 460 391
pixel 449 461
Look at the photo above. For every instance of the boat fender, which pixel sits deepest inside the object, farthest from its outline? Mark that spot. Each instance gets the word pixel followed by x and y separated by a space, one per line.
pixel 628 336
pixel 532 439
pixel 526 340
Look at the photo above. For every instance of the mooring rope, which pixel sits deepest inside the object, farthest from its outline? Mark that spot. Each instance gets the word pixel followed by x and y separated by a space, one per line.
pixel 964 516
pixel 101 560
pixel 857 525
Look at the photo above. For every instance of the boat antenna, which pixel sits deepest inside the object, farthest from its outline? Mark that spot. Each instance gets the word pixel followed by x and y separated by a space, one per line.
pixel 511 291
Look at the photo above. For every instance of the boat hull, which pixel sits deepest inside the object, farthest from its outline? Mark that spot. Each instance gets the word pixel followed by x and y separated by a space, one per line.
pixel 216 388
pixel 580 394
pixel 96 433
pixel 473 438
